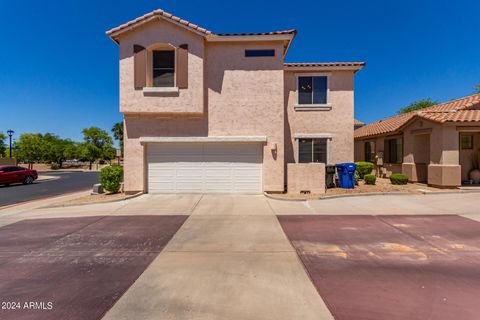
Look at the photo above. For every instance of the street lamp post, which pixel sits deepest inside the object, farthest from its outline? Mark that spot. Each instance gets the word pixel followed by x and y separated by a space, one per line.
pixel 10 134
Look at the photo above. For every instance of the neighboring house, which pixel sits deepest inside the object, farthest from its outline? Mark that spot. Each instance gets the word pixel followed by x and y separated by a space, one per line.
pixel 357 124
pixel 437 144
pixel 207 112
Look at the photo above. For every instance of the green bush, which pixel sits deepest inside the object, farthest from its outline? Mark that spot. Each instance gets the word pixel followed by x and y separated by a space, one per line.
pixel 111 177
pixel 364 168
pixel 54 166
pixel 398 178
pixel 370 179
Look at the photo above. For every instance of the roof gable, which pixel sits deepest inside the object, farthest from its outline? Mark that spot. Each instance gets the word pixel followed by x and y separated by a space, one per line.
pixel 115 33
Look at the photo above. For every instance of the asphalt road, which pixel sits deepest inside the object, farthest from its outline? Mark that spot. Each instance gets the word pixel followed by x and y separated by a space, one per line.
pixel 70 181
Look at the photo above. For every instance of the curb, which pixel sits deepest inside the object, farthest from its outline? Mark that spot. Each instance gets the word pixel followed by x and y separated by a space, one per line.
pixel 100 202
pixel 396 193
pixel 42 199
pixel 282 199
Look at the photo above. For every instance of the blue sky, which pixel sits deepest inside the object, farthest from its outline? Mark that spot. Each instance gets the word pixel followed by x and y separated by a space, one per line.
pixel 59 71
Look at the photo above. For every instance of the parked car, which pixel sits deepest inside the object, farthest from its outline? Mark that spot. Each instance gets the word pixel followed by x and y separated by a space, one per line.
pixel 15 174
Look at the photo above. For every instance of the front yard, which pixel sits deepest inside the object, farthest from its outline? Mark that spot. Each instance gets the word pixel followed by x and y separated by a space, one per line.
pixel 382 186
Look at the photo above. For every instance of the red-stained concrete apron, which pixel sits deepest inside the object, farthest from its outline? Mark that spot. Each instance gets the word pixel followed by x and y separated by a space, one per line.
pixel 82 266
pixel 391 267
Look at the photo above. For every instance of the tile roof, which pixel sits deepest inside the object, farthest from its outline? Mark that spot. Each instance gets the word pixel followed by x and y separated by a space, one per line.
pixel 358 122
pixel 153 14
pixel 290 31
pixel 325 64
pixel 452 116
pixel 451 111
pixel 160 13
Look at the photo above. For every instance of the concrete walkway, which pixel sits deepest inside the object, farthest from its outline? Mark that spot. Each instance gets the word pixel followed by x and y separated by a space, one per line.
pixel 231 259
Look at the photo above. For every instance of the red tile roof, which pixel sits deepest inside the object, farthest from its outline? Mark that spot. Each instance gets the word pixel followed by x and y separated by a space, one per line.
pixel 113 33
pixel 156 13
pixel 453 116
pixel 325 64
pixel 458 110
pixel 290 31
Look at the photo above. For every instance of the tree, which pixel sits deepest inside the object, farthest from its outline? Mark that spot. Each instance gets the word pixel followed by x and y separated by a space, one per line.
pixel 117 131
pixel 2 144
pixel 418 105
pixel 30 148
pixel 97 144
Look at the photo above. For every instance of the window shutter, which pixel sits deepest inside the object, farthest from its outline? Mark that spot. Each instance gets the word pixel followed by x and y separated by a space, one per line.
pixel 182 66
pixel 140 66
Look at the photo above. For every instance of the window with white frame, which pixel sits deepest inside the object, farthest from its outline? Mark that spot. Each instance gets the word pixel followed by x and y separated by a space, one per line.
pixel 312 150
pixel 312 90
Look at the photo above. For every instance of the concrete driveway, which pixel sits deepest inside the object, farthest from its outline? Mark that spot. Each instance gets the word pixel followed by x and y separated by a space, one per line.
pixel 230 258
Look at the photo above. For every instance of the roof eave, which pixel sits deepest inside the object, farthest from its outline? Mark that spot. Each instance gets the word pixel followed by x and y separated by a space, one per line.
pixel 323 68
pixel 115 33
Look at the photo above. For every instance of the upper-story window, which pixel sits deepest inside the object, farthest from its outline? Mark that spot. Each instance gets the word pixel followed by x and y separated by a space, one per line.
pixel 312 90
pixel 260 53
pixel 163 68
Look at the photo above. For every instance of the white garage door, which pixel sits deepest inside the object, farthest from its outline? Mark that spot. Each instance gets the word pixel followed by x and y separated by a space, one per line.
pixel 211 167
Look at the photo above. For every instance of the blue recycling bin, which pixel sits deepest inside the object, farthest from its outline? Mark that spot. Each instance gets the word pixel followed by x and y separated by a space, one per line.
pixel 346 175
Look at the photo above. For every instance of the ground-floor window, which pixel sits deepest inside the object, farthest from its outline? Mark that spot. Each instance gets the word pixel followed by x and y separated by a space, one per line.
pixel 312 150
pixel 466 142
pixel 394 150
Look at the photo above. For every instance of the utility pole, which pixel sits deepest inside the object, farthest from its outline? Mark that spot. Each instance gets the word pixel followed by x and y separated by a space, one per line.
pixel 10 134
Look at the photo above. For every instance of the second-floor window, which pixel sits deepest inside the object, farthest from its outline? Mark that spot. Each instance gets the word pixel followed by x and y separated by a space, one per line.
pixel 163 68
pixel 312 90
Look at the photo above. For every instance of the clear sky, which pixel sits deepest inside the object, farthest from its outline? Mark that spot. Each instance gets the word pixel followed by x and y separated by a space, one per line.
pixel 59 71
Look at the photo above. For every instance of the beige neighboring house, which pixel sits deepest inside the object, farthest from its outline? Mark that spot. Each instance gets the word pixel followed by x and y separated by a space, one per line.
pixel 208 113
pixel 437 145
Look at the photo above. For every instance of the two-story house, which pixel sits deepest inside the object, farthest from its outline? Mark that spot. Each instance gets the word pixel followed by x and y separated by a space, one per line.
pixel 206 112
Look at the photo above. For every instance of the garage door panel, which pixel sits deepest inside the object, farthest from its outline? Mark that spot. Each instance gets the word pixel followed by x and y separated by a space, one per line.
pixel 205 167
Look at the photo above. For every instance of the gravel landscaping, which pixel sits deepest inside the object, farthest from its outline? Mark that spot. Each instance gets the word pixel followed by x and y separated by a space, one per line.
pixel 382 186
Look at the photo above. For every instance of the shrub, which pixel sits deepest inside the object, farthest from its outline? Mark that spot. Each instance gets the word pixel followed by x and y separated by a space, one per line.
pixel 370 179
pixel 398 178
pixel 54 166
pixel 364 168
pixel 111 177
pixel 356 177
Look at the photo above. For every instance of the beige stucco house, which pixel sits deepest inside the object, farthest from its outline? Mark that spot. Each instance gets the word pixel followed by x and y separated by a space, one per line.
pixel 206 112
pixel 438 145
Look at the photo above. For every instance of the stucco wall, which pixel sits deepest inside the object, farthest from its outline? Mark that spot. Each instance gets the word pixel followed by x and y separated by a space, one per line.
pixel 189 100
pixel 245 97
pixel 306 177
pixel 337 122
pixel 240 97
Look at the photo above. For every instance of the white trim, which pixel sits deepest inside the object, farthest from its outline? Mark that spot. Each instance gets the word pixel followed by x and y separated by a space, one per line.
pixel 160 89
pixel 316 74
pixel 313 136
pixel 313 107
pixel 326 136
pixel 262 139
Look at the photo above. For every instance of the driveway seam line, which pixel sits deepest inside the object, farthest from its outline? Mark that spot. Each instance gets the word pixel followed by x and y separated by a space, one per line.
pixel 419 238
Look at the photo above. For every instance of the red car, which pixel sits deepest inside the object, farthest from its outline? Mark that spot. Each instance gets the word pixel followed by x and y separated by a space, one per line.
pixel 14 174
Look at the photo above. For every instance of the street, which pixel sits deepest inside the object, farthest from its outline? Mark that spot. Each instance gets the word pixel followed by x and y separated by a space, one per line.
pixel 70 181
